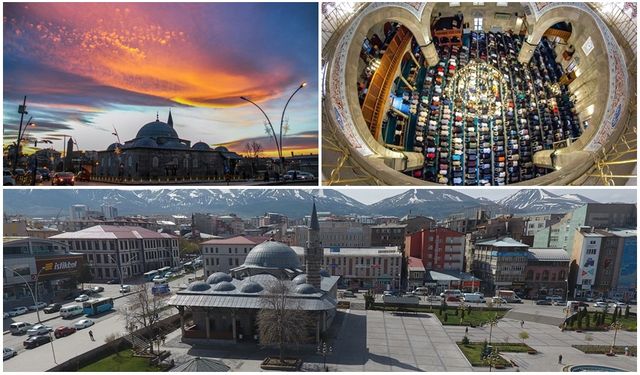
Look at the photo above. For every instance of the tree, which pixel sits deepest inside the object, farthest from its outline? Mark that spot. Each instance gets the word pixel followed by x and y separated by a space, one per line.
pixel 143 311
pixel 254 150
pixel 84 274
pixel 626 312
pixel 369 299
pixel 492 322
pixel 188 247
pixel 281 320
pixel 523 336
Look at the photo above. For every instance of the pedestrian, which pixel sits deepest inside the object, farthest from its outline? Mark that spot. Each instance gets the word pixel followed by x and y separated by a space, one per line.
pixel 91 335
pixel 560 359
pixel 163 339
pixel 466 330
pixel 521 323
pixel 626 351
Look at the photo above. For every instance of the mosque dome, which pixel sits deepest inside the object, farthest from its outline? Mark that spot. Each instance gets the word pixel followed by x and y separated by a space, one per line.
pixel 272 254
pixel 305 289
pixel 113 146
pixel 324 273
pixel 201 146
pixel 145 142
pixel 217 277
pixel 198 286
pixel 300 279
pixel 251 287
pixel 221 149
pixel 223 286
pixel 157 129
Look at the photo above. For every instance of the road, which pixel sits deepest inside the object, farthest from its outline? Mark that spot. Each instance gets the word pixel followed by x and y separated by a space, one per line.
pixel 41 358
pixel 206 183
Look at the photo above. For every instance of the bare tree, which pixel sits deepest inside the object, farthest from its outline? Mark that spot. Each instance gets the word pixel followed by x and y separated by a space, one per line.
pixel 143 311
pixel 281 319
pixel 254 150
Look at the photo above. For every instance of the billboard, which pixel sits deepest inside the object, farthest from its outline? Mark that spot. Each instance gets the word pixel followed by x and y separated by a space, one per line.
pixel 59 265
pixel 588 261
pixel 628 277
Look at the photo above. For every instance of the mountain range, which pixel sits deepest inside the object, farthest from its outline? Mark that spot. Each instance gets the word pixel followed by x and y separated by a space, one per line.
pixel 295 203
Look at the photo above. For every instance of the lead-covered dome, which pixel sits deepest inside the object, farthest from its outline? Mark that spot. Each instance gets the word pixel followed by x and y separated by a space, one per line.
pixel 217 277
pixel 305 289
pixel 223 286
pixel 113 146
pixel 300 279
pixel 273 254
pixel 251 287
pixel 157 129
pixel 198 286
pixel 145 142
pixel 201 146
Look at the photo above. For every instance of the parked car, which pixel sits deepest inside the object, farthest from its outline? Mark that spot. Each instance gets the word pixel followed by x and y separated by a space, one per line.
pixel 83 176
pixel 35 341
pixel 583 304
pixel 7 178
pixel 499 300
pixel 19 327
pixel 112 281
pixel 434 298
pixel 5 315
pixel 601 304
pixel 38 306
pixel 8 353
pixel 18 311
pixel 544 302
pixel 305 176
pixel 63 331
pixel 125 289
pixel 44 172
pixel 168 275
pixel 39 329
pixel 63 178
pixel 83 323
pixel 82 298
pixel 348 294
pixel 98 289
pixel 620 305
pixel 54 307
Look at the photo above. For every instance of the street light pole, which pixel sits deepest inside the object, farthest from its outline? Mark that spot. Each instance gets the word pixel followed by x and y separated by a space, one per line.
pixel 273 132
pixel 22 109
pixel 303 84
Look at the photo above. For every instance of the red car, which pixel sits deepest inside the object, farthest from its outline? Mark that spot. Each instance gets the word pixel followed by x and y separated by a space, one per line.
pixel 63 331
pixel 63 178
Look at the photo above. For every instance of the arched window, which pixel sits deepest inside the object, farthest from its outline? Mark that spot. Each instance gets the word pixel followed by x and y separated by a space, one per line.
pixel 129 161
pixel 545 275
pixel 195 162
pixel 186 163
pixel 155 162
pixel 530 275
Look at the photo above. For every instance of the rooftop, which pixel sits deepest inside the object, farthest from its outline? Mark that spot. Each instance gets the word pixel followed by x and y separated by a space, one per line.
pixel 415 264
pixel 112 232
pixel 237 240
pixel 390 251
pixel 502 242
pixel 548 255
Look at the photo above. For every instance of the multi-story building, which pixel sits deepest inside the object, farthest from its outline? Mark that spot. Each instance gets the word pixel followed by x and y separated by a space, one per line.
pixel 546 273
pixel 388 234
pixel 440 249
pixel 133 251
pixel 417 273
pixel 417 223
pixel 597 262
pixel 223 254
pixel 500 264
pixel 502 226
pixel 466 222
pixel 27 260
pixel 375 267
pixel 338 233
pixel 78 212
pixel 109 212
pixel 76 225
pixel 272 218
pixel 597 215
pixel 535 223
pixel 225 225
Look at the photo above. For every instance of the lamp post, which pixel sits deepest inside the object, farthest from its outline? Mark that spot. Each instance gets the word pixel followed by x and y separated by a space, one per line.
pixel 273 132
pixel 324 349
pixel 22 110
pixel 616 326
pixel 35 302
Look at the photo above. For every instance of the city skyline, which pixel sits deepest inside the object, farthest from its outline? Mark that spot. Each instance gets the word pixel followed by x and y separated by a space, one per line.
pixel 87 68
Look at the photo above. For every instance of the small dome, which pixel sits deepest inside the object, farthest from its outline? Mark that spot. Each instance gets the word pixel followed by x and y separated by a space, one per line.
pixel 272 254
pixel 217 277
pixel 113 146
pixel 201 146
pixel 251 287
pixel 300 279
pixel 221 149
pixel 157 129
pixel 324 273
pixel 145 142
pixel 171 143
pixel 305 289
pixel 223 286
pixel 198 286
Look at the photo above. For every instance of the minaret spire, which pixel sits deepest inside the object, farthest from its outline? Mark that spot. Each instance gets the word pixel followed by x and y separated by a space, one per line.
pixel 314 251
pixel 170 120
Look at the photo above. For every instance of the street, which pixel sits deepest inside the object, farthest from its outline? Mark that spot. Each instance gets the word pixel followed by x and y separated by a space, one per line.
pixel 41 358
pixel 205 183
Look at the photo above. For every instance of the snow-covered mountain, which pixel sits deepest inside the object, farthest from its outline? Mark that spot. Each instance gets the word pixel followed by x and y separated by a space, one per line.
pixel 540 200
pixel 437 203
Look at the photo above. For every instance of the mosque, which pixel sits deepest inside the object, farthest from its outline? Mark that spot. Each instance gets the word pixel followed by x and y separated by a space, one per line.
pixel 225 306
pixel 475 93
pixel 158 152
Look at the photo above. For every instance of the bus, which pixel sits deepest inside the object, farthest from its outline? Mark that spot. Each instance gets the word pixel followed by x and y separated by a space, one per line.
pixel 97 306
pixel 163 271
pixel 150 275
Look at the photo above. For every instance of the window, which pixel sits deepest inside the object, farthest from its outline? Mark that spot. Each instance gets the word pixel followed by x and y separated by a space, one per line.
pixel 155 162
pixel 477 23
pixel 231 261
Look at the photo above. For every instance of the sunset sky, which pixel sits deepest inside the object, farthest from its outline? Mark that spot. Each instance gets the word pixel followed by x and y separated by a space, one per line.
pixel 86 68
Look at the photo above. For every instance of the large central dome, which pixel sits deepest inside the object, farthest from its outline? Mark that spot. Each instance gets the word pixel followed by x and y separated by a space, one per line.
pixel 157 129
pixel 272 254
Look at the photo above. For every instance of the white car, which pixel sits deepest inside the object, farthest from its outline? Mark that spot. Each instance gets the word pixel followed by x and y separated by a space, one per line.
pixel 83 323
pixel 39 329
pixel 38 306
pixel 8 353
pixel 18 311
pixel 600 304
pixel 620 305
pixel 168 275
pixel 82 298
pixel 499 300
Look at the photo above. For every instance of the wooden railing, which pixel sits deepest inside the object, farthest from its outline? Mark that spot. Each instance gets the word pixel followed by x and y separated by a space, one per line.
pixel 380 86
pixel 562 34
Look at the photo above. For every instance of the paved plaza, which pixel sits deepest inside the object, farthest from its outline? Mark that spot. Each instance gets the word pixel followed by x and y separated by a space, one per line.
pixel 384 341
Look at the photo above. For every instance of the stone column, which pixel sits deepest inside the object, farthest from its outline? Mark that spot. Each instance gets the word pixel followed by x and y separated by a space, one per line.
pixel 207 325
pixel 526 52
pixel 430 54
pixel 233 326
pixel 318 332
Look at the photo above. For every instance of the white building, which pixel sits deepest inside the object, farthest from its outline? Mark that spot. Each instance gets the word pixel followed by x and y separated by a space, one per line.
pixel 78 212
pixel 109 211
pixel 133 249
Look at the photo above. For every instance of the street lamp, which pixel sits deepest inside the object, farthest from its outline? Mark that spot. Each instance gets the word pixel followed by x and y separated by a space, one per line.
pixel 22 110
pixel 324 349
pixel 273 132
pixel 35 303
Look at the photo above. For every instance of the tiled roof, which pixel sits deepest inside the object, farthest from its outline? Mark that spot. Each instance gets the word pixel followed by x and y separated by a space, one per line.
pixel 112 232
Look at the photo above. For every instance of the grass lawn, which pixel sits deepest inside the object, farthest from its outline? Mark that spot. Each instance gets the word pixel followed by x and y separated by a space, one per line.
pixel 473 352
pixel 628 324
pixel 603 349
pixel 471 317
pixel 124 362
